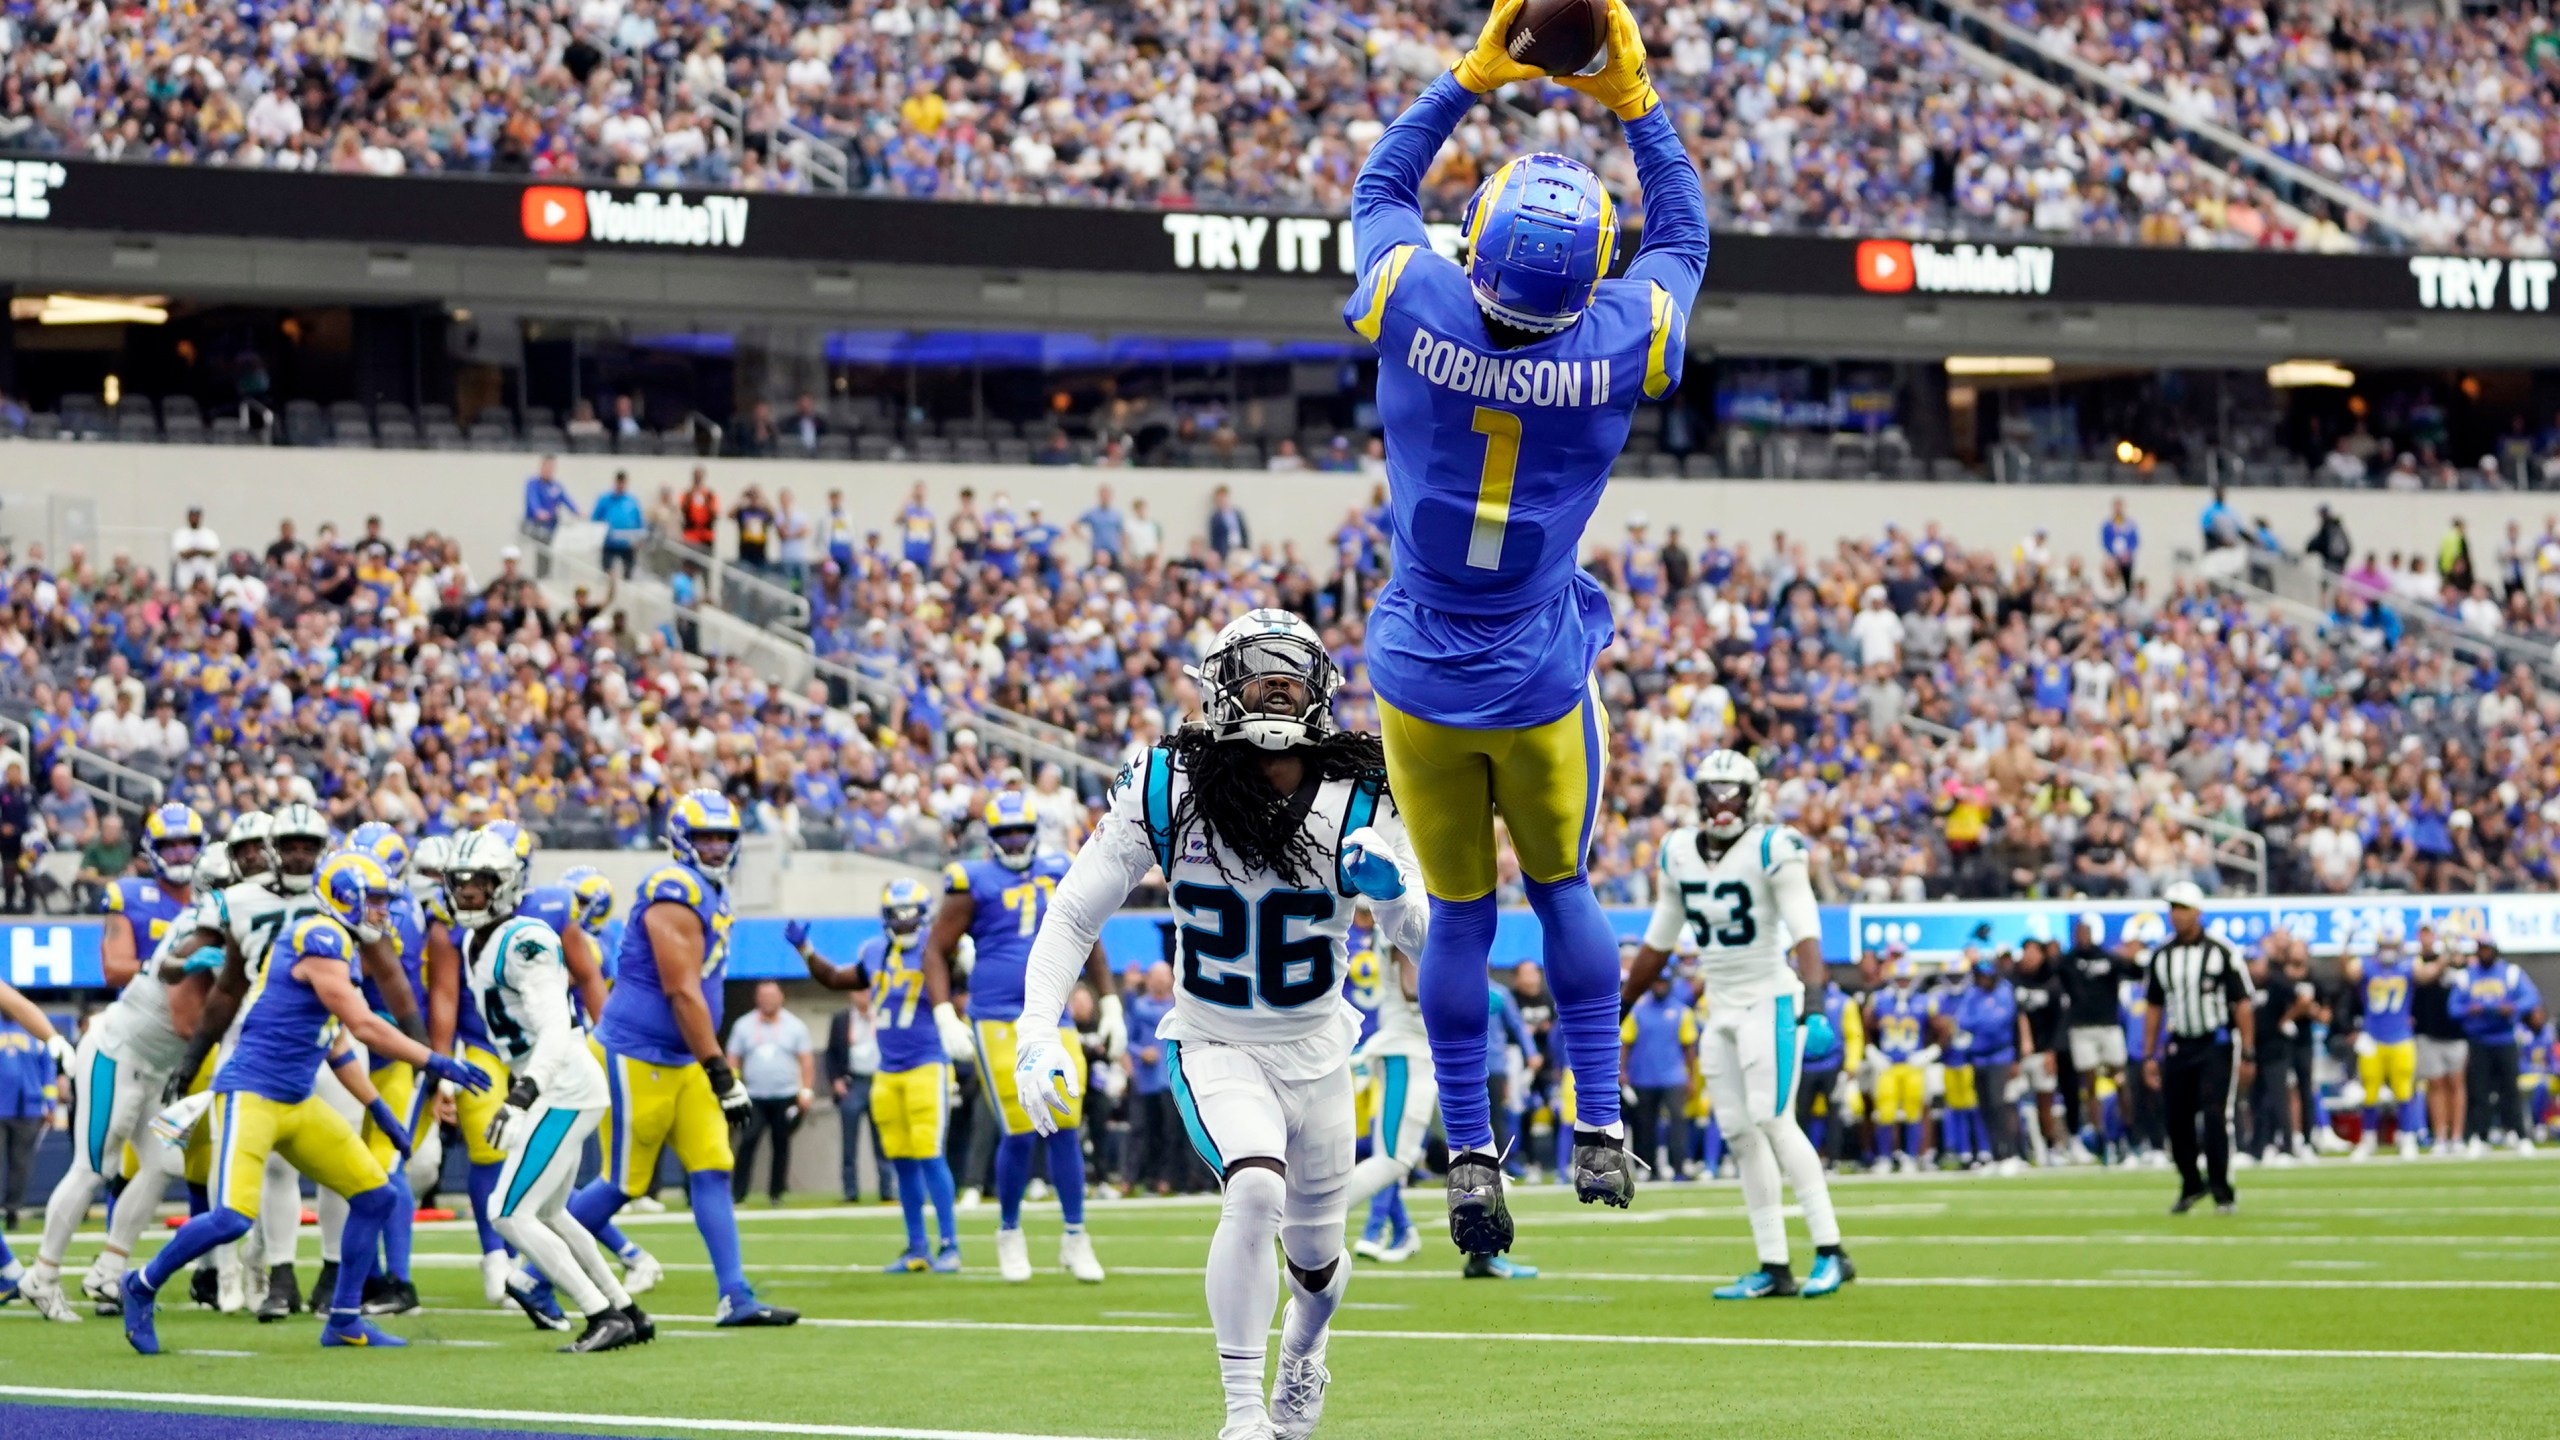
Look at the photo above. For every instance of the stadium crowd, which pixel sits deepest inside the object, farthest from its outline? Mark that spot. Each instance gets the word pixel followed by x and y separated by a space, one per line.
pixel 1813 114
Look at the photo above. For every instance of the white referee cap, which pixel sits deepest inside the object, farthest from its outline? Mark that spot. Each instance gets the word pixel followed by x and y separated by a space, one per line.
pixel 2183 895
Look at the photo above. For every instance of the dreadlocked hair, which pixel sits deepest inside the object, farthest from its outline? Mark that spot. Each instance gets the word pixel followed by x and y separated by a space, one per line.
pixel 1228 793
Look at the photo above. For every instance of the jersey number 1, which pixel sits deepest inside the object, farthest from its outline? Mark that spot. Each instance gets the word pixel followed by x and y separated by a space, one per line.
pixel 1501 432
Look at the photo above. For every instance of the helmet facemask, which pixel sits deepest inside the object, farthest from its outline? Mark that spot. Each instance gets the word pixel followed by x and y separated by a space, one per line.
pixel 1273 690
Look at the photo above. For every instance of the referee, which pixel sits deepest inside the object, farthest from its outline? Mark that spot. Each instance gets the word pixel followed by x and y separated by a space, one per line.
pixel 2196 990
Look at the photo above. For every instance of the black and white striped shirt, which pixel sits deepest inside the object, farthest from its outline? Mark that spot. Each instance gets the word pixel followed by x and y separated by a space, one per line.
pixel 2195 983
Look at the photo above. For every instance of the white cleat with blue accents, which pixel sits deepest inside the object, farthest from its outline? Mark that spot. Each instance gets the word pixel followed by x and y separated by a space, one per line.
pixel 1830 1272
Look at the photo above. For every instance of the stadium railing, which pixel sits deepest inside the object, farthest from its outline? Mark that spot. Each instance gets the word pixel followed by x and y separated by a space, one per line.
pixel 733 587
pixel 135 793
pixel 2234 847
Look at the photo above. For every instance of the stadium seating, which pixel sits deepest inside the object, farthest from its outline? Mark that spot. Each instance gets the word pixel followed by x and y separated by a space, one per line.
pixel 1821 115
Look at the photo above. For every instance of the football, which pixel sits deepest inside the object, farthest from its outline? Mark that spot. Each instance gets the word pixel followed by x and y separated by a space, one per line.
pixel 1560 37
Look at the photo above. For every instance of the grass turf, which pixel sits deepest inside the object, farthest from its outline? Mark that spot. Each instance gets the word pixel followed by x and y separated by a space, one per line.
pixel 1989 1307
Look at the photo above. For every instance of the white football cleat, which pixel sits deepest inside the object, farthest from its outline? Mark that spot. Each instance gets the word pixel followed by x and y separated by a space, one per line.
pixel 643 1274
pixel 1297 1396
pixel 1013 1256
pixel 1075 1254
pixel 972 1198
pixel 2408 1147
pixel 1404 1247
pixel 1368 1249
pixel 2243 1160
pixel 495 1267
pixel 1249 1427
pixel 2476 1149
pixel 104 1285
pixel 230 1282
pixel 2327 1142
pixel 2364 1147
pixel 46 1295
pixel 649 1205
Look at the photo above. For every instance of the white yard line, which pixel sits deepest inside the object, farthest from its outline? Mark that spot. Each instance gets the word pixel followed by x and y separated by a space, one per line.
pixel 340 1408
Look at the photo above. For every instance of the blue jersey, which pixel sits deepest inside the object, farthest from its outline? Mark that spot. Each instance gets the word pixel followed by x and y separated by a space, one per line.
pixel 409 932
pixel 637 1020
pixel 149 906
pixel 1990 1017
pixel 1902 1023
pixel 1497 457
pixel 285 1030
pixel 2388 1004
pixel 1363 972
pixel 902 1019
pixel 1005 908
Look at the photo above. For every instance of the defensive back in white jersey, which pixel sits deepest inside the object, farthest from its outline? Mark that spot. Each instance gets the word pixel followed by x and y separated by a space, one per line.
pixel 1261 956
pixel 137 1027
pixel 520 980
pixel 1745 908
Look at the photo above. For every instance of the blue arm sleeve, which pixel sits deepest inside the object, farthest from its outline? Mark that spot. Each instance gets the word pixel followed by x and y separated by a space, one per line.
pixel 1674 254
pixel 1386 199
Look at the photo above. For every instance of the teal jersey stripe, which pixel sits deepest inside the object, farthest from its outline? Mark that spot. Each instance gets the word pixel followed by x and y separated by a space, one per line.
pixel 538 1153
pixel 1190 1112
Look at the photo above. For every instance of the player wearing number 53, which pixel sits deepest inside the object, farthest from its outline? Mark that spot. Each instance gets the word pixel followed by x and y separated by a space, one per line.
pixel 1506 387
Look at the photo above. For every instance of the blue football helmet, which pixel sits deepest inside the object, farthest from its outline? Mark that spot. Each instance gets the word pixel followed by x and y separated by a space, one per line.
pixel 592 894
pixel 1540 234
pixel 1012 829
pixel 353 890
pixel 172 839
pixel 702 831
pixel 902 906
pixel 384 844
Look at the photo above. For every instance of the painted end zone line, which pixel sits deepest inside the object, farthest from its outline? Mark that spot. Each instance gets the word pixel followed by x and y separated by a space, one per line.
pixel 340 1408
pixel 1743 1342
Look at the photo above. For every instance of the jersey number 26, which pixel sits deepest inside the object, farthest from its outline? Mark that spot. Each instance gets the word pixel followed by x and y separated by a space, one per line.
pixel 1233 930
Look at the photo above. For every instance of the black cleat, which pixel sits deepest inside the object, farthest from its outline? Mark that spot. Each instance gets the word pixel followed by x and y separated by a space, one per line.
pixel 606 1330
pixel 2187 1201
pixel 324 1291
pixel 203 1288
pixel 284 1296
pixel 643 1329
pixel 753 1314
pixel 1479 1217
pixel 1601 1170
pixel 392 1297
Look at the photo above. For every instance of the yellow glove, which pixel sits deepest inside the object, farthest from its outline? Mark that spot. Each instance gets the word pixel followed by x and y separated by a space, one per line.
pixel 1489 66
pixel 1621 84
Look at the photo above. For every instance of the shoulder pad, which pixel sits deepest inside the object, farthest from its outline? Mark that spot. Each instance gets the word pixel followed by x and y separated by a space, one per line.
pixel 955 878
pixel 873 951
pixel 671 882
pixel 321 935
pixel 113 904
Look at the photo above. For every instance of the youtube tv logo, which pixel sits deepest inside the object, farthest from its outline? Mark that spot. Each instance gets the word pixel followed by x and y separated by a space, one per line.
pixel 555 214
pixel 1884 266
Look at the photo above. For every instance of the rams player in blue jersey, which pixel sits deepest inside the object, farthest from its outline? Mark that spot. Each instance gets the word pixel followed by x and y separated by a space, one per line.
pixel 140 909
pixel 911 1097
pixel 292 1019
pixel 659 1041
pixel 1506 387
pixel 997 904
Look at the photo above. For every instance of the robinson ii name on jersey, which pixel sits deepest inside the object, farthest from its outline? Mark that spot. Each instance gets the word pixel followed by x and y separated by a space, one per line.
pixel 1745 908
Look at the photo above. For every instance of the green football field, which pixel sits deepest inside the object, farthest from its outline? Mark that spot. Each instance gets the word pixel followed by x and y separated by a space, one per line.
pixel 2387 1298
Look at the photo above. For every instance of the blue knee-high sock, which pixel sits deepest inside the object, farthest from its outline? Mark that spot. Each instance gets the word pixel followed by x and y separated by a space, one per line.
pixel 199 1200
pixel 2373 1122
pixel 1066 1175
pixel 213 1227
pixel 8 1261
pixel 595 1205
pixel 1382 1211
pixel 717 1219
pixel 1915 1139
pixel 1398 1221
pixel 911 1201
pixel 484 1187
pixel 396 1231
pixel 1818 1131
pixel 1013 1177
pixel 937 1181
pixel 1713 1141
pixel 1582 968
pixel 610 1236
pixel 2413 1118
pixel 368 1220
pixel 1456 1011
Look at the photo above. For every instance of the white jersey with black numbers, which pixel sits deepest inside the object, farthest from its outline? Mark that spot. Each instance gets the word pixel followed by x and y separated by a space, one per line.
pixel 519 979
pixel 1261 957
pixel 1745 908
pixel 1399 1029
pixel 138 1028
pixel 252 917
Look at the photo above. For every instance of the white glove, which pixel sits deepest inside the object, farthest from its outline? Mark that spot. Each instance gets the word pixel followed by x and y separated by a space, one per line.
pixel 62 1051
pixel 2364 1044
pixel 958 1045
pixel 1112 1029
pixel 426 1154
pixel 176 1121
pixel 1927 1057
pixel 1043 1077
